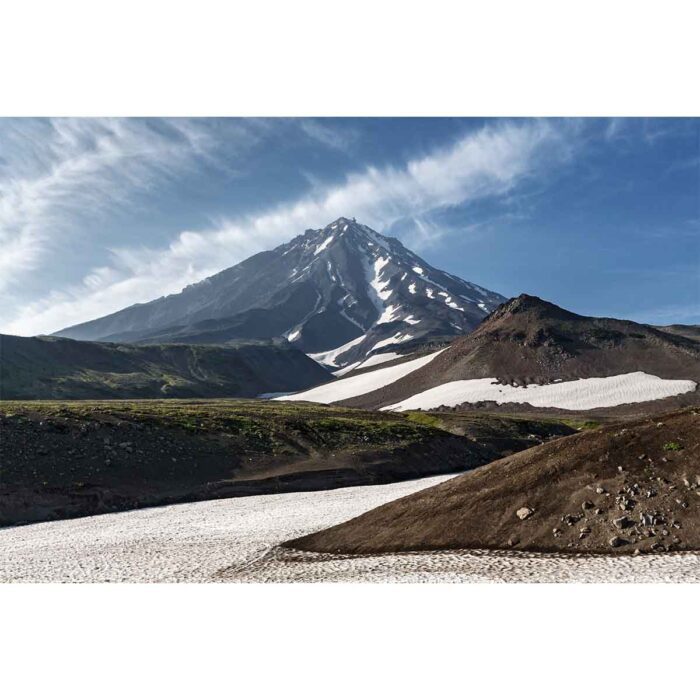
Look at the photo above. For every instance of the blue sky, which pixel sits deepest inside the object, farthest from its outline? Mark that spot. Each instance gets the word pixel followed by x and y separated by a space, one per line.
pixel 601 216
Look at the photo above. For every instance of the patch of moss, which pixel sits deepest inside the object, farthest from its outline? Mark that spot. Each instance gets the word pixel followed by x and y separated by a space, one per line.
pixel 424 419
pixel 672 446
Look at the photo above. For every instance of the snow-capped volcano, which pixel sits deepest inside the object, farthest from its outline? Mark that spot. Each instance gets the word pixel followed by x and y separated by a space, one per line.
pixel 339 293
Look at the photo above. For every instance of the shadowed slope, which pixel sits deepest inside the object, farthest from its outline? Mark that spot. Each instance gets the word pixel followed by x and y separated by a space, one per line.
pixel 59 368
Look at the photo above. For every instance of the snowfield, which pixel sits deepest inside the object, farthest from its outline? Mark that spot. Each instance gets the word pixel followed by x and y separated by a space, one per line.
pixel 363 364
pixel 235 540
pixel 188 542
pixel 578 395
pixel 360 384
pixel 328 357
pixel 379 359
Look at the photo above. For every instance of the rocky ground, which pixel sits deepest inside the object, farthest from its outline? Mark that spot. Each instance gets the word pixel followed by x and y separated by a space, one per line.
pixel 235 540
pixel 70 459
pixel 626 488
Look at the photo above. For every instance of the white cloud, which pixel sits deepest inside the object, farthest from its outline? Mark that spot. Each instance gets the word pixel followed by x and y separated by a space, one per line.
pixel 57 169
pixel 488 162
pixel 339 138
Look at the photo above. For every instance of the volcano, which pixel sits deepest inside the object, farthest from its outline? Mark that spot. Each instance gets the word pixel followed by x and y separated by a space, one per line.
pixel 340 294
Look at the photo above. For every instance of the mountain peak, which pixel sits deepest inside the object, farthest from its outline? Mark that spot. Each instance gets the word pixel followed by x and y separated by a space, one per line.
pixel 342 220
pixel 531 305
pixel 339 293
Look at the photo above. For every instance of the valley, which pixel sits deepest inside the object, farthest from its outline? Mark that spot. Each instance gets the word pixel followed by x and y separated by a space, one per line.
pixel 338 409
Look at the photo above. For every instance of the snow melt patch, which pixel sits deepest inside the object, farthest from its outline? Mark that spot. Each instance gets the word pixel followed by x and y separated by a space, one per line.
pixel 395 339
pixel 577 395
pixel 323 246
pixel 389 314
pixel 328 357
pixel 379 359
pixel 379 286
pixel 449 302
pixel 369 362
pixel 360 384
pixel 337 373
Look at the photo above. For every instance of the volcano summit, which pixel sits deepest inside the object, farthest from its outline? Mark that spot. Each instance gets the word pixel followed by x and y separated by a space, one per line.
pixel 339 293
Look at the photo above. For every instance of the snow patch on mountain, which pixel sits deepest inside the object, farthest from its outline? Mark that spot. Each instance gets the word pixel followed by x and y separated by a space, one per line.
pixel 380 287
pixel 379 359
pixel 576 395
pixel 389 314
pixel 371 361
pixel 360 384
pixel 394 340
pixel 343 371
pixel 320 248
pixel 328 357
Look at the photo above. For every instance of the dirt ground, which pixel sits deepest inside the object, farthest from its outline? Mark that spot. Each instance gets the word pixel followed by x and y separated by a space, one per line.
pixel 71 459
pixel 618 489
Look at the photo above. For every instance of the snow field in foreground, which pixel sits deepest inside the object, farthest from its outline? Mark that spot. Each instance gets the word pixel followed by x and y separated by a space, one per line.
pixel 186 542
pixel 577 395
pixel 361 384
pixel 235 539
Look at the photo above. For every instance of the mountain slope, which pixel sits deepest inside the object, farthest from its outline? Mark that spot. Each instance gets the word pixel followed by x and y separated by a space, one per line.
pixel 338 293
pixel 531 341
pixel 50 368
pixel 692 332
pixel 603 491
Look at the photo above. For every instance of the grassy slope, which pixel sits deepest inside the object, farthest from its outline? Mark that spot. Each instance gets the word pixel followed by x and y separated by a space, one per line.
pixel 58 368
pixel 60 459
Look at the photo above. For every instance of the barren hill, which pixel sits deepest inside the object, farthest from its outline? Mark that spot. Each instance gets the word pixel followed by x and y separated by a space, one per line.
pixel 613 490
pixel 530 341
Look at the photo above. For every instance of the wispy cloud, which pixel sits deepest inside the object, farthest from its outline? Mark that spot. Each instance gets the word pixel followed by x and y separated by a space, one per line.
pixel 340 138
pixel 56 169
pixel 486 163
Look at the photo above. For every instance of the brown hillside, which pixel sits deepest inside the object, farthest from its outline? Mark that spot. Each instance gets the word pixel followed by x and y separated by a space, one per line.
pixel 625 487
pixel 528 340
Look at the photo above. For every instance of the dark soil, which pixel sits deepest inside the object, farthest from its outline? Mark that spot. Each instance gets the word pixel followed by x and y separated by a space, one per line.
pixel 67 459
pixel 616 489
